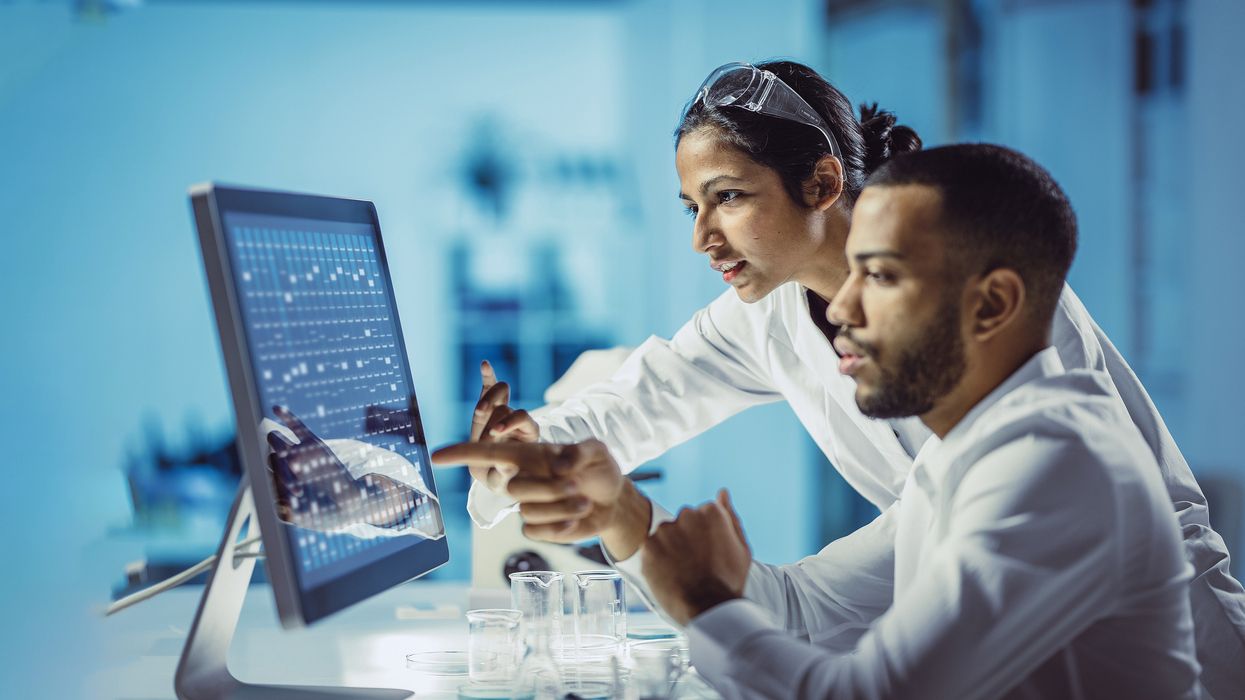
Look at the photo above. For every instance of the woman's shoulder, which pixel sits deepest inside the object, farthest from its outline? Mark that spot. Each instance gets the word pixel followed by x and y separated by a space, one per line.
pixel 787 301
pixel 1075 334
pixel 730 317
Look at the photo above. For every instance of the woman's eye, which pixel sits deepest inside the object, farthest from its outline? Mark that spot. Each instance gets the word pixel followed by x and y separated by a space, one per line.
pixel 727 196
pixel 690 211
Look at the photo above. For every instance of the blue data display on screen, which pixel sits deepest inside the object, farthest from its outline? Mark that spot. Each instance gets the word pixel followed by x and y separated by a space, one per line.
pixel 324 345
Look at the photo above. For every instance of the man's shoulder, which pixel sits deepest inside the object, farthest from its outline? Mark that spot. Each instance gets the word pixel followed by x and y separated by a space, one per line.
pixel 1072 421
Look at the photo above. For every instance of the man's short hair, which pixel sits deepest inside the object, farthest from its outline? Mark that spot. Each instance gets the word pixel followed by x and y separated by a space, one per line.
pixel 999 209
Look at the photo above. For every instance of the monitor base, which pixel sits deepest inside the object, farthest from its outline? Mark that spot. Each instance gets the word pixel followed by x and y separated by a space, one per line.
pixel 203 670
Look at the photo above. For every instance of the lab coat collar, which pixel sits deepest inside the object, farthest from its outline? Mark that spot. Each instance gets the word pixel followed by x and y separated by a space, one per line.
pixel 819 354
pixel 1045 363
pixel 935 456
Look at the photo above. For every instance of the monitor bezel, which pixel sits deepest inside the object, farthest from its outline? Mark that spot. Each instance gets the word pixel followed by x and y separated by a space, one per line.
pixel 296 606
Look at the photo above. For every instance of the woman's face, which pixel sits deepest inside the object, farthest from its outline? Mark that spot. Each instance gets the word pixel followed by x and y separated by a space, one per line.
pixel 754 235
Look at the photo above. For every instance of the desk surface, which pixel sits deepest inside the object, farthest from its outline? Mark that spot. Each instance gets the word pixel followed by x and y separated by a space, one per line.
pixel 365 645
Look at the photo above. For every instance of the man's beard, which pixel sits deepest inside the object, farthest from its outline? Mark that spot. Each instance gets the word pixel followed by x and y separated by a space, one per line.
pixel 922 373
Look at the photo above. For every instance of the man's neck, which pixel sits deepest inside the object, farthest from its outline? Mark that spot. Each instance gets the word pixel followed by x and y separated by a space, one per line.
pixel 974 387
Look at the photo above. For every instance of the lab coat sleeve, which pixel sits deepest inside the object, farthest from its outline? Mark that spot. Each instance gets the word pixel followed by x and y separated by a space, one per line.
pixel 830 597
pixel 666 392
pixel 1217 597
pixel 1024 570
pixel 631 570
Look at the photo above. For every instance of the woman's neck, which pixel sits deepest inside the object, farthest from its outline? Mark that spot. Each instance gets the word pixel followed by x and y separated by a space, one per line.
pixel 826 269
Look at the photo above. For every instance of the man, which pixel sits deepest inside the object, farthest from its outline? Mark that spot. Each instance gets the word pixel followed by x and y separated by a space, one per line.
pixel 1033 551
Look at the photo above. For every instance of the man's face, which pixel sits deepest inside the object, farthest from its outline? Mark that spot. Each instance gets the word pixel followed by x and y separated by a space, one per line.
pixel 755 236
pixel 899 310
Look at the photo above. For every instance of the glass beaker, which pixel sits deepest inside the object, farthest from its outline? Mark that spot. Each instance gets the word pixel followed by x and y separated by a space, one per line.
pixel 538 594
pixel 591 665
pixel 657 666
pixel 600 605
pixel 494 645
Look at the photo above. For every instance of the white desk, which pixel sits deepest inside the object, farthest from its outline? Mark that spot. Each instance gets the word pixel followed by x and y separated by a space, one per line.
pixel 365 645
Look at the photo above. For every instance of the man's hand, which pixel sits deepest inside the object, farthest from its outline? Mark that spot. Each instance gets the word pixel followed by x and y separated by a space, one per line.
pixel 566 493
pixel 493 421
pixel 698 560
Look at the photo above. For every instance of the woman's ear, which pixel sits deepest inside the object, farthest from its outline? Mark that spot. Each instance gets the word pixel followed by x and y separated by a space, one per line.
pixel 825 186
pixel 1001 300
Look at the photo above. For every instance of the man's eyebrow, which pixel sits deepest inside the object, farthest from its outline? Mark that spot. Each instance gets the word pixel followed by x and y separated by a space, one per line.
pixel 870 254
pixel 704 186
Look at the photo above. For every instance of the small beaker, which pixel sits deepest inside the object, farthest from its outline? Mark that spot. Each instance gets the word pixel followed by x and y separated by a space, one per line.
pixel 591 665
pixel 600 605
pixel 494 644
pixel 657 666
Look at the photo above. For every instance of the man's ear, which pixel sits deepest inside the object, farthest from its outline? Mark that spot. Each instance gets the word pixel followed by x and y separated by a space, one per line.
pixel 1000 301
pixel 825 186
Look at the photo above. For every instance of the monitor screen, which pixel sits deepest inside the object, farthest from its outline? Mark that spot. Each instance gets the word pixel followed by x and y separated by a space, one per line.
pixel 342 468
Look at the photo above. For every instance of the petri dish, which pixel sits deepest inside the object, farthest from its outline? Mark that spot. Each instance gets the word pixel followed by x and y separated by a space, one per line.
pixel 438 663
pixel 643 632
pixel 585 648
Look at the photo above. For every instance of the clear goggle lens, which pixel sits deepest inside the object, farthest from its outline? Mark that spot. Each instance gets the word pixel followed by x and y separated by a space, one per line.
pixel 747 87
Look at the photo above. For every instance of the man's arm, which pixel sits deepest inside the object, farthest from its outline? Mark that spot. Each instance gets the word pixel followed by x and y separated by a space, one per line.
pixel 1030 561
pixel 571 492
pixel 829 598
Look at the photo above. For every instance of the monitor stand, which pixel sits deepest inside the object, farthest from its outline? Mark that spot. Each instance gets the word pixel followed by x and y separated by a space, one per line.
pixel 203 672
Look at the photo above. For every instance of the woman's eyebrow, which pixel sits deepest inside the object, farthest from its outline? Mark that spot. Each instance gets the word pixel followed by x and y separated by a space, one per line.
pixel 707 184
pixel 870 254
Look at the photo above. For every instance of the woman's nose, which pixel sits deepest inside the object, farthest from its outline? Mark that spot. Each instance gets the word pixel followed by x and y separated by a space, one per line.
pixel 704 236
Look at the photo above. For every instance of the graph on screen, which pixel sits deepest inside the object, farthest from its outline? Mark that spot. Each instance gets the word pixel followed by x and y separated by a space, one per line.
pixel 325 346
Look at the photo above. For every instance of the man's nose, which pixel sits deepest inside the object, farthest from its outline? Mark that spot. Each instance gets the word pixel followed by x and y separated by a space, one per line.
pixel 844 309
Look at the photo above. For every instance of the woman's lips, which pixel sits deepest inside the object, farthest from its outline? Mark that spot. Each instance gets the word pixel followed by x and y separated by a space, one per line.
pixel 728 275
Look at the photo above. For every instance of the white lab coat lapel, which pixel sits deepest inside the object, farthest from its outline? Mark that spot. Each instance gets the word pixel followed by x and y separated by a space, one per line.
pixel 816 351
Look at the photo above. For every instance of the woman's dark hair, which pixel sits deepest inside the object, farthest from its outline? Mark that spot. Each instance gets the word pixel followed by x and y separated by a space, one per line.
pixel 793 149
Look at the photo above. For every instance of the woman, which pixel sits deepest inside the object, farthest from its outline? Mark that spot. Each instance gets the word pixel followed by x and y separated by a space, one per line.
pixel 770 161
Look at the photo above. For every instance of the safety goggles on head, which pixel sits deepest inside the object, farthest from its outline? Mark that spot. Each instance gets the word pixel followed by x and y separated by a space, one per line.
pixel 745 86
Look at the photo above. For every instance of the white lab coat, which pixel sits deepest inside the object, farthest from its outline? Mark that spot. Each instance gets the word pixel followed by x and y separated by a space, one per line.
pixel 732 355
pixel 1035 555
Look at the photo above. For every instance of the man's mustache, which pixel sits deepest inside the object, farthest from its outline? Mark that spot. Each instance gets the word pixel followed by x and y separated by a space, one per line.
pixel 866 349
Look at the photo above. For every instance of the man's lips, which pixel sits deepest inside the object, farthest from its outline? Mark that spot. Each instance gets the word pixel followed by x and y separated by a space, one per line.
pixel 851 358
pixel 851 364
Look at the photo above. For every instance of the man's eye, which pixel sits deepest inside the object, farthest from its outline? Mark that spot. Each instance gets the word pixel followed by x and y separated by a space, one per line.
pixel 879 277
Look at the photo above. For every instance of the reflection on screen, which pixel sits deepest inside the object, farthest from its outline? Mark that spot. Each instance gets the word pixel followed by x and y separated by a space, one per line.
pixel 349 462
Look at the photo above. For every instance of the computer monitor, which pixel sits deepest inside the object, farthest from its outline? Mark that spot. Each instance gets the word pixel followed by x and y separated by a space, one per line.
pixel 329 430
